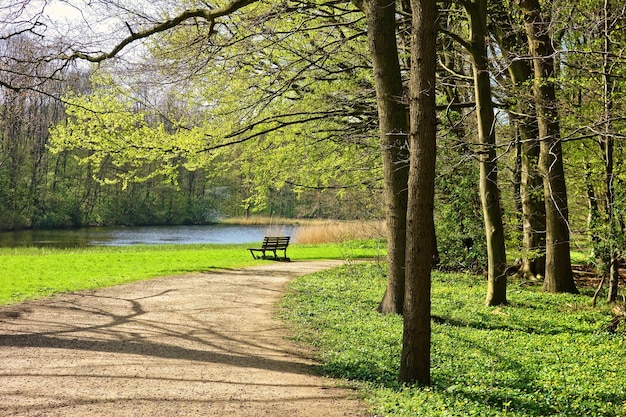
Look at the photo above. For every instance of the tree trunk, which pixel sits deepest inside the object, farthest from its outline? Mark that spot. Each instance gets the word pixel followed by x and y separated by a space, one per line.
pixel 415 360
pixel 559 277
pixel 533 205
pixel 489 191
pixel 513 42
pixel 608 147
pixel 393 128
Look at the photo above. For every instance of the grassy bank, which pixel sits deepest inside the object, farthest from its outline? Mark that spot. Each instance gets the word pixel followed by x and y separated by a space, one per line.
pixel 31 273
pixel 544 355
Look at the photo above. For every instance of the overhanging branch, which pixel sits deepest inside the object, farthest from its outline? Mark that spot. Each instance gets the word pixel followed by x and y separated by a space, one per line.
pixel 207 14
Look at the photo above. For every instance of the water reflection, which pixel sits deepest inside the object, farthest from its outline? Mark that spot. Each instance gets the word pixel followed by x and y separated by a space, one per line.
pixel 123 236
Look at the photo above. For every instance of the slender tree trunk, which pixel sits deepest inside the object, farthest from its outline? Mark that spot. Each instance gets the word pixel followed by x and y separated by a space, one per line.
pixel 489 191
pixel 532 201
pixel 513 42
pixel 415 360
pixel 559 277
pixel 393 125
pixel 593 215
pixel 608 145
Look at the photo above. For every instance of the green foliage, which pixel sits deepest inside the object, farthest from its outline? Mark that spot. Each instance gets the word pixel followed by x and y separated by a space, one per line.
pixel 57 211
pixel 10 220
pixel 609 235
pixel 592 97
pixel 543 355
pixel 458 210
pixel 282 108
pixel 273 116
pixel 118 143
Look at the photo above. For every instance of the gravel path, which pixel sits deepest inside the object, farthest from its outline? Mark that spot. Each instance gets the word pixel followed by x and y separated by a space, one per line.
pixel 202 344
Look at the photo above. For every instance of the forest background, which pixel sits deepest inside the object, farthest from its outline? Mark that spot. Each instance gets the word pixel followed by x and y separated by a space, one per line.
pixel 274 112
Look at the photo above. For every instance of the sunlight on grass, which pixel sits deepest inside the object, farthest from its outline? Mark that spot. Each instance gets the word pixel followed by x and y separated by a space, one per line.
pixel 32 273
pixel 545 354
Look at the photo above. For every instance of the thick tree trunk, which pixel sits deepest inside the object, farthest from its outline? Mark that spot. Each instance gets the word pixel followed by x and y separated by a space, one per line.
pixel 559 277
pixel 489 191
pixel 393 127
pixel 415 360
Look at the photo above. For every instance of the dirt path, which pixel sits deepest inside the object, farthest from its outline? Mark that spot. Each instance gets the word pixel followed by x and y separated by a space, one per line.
pixel 195 345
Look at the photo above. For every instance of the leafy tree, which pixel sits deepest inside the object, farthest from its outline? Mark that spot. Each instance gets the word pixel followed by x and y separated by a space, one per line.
pixel 490 194
pixel 512 40
pixel 283 94
pixel 592 76
pixel 26 115
pixel 460 225
pixel 489 191
pixel 559 276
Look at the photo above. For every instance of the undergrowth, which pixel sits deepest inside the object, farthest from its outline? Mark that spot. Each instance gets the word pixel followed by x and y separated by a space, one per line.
pixel 543 355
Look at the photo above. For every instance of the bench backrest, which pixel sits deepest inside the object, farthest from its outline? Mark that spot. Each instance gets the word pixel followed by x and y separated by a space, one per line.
pixel 278 242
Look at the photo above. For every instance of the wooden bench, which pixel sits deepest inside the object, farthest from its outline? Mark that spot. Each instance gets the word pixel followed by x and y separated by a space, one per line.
pixel 272 244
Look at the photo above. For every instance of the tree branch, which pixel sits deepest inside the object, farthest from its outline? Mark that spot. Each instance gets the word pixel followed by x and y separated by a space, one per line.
pixel 277 124
pixel 464 43
pixel 208 14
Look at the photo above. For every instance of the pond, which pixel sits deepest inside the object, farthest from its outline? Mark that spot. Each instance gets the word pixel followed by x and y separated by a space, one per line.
pixel 124 236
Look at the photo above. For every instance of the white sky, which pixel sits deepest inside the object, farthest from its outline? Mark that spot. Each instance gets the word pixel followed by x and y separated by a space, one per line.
pixel 57 10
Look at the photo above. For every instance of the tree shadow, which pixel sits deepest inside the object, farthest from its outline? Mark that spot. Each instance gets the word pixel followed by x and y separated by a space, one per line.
pixel 91 322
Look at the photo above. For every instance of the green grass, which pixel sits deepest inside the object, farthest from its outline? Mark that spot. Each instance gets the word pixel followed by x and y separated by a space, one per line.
pixel 544 355
pixel 29 273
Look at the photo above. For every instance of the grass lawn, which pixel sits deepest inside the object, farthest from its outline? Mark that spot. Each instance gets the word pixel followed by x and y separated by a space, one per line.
pixel 29 273
pixel 544 355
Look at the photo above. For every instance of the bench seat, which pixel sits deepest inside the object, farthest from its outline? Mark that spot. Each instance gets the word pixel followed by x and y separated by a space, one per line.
pixel 270 247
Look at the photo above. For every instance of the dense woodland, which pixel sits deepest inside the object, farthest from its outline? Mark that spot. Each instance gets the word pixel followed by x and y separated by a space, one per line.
pixel 186 113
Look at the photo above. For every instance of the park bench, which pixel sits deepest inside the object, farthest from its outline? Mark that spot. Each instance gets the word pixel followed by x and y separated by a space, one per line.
pixel 272 244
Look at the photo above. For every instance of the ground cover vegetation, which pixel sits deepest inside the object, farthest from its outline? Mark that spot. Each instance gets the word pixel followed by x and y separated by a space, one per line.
pixel 32 273
pixel 477 129
pixel 540 355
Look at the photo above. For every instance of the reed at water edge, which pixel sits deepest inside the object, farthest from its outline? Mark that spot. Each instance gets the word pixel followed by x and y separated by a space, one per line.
pixel 312 231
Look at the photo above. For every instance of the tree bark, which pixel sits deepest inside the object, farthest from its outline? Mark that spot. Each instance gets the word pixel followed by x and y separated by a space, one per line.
pixel 489 191
pixel 608 148
pixel 559 277
pixel 393 126
pixel 415 360
pixel 513 42
pixel 532 200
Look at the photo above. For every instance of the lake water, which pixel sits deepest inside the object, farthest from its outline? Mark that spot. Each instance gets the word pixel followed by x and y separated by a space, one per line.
pixel 124 236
